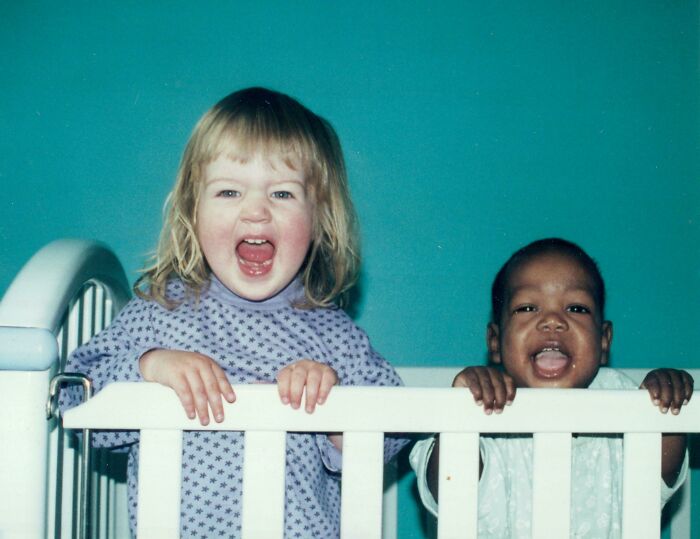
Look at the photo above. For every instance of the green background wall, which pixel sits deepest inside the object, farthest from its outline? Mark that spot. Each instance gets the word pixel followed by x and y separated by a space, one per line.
pixel 469 130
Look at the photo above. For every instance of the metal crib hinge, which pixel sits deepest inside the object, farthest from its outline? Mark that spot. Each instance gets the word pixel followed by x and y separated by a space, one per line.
pixel 68 378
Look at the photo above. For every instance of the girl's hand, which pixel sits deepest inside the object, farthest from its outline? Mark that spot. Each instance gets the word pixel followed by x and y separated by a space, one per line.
pixel 668 388
pixel 490 387
pixel 198 381
pixel 316 378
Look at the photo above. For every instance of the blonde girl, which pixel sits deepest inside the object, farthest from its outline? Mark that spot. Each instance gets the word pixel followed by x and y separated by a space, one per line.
pixel 258 250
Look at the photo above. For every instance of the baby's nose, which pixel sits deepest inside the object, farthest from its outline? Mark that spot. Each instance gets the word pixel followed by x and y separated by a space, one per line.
pixel 552 321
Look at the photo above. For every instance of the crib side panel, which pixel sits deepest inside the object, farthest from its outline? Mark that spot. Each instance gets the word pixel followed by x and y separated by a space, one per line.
pixel 396 410
pixel 24 432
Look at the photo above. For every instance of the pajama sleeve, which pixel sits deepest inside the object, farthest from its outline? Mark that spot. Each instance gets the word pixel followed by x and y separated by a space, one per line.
pixel 112 356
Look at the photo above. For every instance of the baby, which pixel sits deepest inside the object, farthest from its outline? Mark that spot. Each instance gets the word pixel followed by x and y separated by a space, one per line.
pixel 548 330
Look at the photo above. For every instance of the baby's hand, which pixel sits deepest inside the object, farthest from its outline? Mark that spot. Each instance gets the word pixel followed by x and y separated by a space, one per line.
pixel 489 386
pixel 196 379
pixel 669 388
pixel 317 378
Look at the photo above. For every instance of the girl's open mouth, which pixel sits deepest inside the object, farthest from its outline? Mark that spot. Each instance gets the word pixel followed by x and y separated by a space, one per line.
pixel 550 362
pixel 255 256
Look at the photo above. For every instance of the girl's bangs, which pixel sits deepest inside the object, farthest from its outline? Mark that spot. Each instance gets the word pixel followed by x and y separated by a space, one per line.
pixel 243 136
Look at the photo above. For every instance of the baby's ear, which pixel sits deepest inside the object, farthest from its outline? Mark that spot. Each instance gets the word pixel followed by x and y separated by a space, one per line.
pixel 605 342
pixel 493 343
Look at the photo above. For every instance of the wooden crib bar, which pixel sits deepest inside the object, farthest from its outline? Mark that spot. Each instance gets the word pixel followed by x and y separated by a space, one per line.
pixel 459 466
pixel 641 511
pixel 263 480
pixel 551 484
pixel 364 414
pixel 361 491
pixel 160 465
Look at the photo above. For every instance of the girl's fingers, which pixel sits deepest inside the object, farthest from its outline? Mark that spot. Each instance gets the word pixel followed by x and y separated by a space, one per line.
pixel 201 402
pixel 213 394
pixel 224 385
pixel 184 393
pixel 305 379
pixel 329 379
pixel 283 385
pixel 296 386
pixel 312 383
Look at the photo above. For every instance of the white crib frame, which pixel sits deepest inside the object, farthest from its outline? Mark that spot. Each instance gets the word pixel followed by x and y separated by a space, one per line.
pixel 47 311
pixel 63 295
pixel 364 414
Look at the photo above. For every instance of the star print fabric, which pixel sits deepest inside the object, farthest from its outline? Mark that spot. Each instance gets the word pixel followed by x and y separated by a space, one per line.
pixel 251 341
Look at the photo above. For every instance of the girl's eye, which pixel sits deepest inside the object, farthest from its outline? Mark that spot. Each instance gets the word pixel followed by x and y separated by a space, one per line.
pixel 228 193
pixel 282 195
pixel 525 309
pixel 579 309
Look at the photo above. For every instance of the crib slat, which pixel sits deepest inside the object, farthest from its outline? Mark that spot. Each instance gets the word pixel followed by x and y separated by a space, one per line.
pixel 641 512
pixel 262 514
pixel 160 463
pixel 361 490
pixel 459 484
pixel 551 482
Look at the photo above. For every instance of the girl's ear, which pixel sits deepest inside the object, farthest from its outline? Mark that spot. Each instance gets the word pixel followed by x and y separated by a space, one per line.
pixel 493 343
pixel 605 342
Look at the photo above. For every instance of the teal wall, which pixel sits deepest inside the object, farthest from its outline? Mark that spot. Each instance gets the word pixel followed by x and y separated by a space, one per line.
pixel 469 130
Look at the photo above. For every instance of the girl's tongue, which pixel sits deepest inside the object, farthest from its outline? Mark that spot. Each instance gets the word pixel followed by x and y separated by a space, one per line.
pixel 551 362
pixel 255 258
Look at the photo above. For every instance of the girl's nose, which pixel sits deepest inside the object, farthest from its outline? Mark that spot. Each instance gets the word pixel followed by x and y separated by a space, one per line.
pixel 256 210
pixel 552 321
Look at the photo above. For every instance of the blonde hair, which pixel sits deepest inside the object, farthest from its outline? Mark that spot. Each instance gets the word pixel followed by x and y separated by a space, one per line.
pixel 260 120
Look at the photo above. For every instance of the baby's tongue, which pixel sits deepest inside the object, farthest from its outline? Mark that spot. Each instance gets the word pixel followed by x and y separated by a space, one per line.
pixel 255 253
pixel 551 360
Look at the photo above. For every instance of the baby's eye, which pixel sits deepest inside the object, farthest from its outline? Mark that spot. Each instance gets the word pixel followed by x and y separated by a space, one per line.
pixel 282 195
pixel 228 193
pixel 579 309
pixel 525 309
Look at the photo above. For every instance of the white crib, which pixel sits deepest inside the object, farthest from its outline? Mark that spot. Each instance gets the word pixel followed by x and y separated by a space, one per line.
pixel 31 466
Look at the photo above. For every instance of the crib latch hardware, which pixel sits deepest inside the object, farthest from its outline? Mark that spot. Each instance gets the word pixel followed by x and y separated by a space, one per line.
pixel 63 379
pixel 86 465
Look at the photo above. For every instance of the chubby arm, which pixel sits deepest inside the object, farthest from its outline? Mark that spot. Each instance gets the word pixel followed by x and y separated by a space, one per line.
pixel 492 389
pixel 670 389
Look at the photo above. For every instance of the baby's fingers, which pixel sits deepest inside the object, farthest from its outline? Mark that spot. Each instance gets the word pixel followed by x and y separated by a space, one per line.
pixel 503 389
pixel 478 380
pixel 669 388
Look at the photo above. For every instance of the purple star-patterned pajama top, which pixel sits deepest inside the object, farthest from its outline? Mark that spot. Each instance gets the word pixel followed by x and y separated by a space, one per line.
pixel 251 341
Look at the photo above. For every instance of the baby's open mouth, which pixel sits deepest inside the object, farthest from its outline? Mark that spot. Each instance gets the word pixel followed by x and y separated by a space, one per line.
pixel 255 256
pixel 550 362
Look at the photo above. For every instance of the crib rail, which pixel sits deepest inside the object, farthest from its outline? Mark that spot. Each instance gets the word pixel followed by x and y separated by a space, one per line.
pixel 67 292
pixel 364 414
